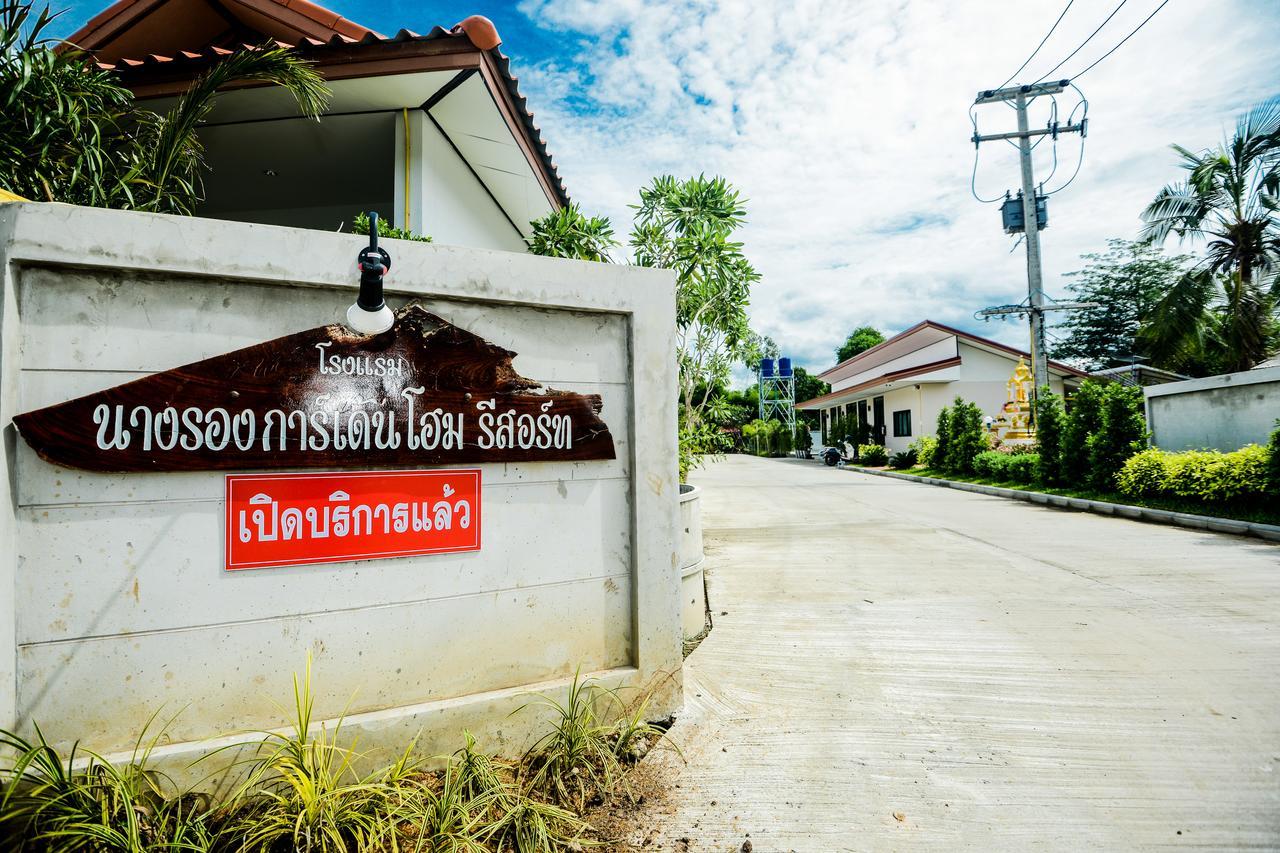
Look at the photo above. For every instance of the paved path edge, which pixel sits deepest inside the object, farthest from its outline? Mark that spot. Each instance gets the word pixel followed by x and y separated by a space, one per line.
pixel 1270 532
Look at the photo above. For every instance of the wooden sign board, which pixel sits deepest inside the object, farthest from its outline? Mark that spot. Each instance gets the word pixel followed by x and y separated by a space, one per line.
pixel 297 519
pixel 425 392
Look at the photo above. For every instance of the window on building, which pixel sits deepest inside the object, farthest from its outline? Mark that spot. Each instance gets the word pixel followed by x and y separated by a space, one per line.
pixel 902 423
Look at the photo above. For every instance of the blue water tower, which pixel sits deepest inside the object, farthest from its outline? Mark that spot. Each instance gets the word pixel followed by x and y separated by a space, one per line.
pixel 766 368
pixel 784 368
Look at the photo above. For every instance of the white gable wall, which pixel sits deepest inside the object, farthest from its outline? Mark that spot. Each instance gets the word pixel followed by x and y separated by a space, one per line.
pixel 937 351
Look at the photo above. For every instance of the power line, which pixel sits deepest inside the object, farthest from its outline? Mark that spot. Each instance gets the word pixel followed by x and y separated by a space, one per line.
pixel 1040 45
pixel 1122 41
pixel 1084 118
pixel 1086 41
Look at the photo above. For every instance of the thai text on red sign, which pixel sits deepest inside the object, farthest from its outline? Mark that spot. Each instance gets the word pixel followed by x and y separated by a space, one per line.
pixel 301 518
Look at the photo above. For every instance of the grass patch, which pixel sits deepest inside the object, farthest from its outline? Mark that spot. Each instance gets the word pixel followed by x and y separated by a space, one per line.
pixel 1242 511
pixel 302 790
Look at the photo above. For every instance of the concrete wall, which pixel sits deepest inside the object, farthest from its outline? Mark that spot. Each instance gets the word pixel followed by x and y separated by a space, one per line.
pixel 1217 412
pixel 113 600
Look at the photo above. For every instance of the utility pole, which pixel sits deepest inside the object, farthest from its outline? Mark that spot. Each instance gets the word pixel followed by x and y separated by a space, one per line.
pixel 1022 96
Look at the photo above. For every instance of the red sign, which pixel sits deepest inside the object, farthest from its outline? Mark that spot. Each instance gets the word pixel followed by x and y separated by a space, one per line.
pixel 297 519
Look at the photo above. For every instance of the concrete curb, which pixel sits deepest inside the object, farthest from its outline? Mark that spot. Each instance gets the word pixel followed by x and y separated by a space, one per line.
pixel 1269 532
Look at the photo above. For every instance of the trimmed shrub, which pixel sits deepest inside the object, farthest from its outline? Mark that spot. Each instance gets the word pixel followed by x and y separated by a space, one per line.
pixel 1143 474
pixel 1273 462
pixel 924 448
pixel 903 459
pixel 992 464
pixel 967 437
pixel 1083 419
pixel 803 440
pixel 1049 426
pixel 942 441
pixel 1022 467
pixel 1204 475
pixel 1122 430
pixel 873 454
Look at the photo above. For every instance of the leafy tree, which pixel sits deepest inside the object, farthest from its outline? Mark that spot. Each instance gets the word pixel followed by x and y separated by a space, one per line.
pixel 860 339
pixel 1050 422
pixel 966 437
pixel 809 386
pixel 1120 434
pixel 72 133
pixel 568 233
pixel 1223 311
pixel 1126 281
pixel 940 458
pixel 688 226
pixel 1084 416
pixel 360 225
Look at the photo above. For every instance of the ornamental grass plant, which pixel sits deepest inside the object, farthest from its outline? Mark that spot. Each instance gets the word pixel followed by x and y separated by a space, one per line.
pixel 303 790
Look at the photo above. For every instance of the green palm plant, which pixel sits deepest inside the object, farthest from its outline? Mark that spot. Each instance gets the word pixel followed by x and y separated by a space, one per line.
pixel 73 133
pixel 1223 311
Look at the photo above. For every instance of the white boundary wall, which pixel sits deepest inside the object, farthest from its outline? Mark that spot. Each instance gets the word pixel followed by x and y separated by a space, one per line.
pixel 1223 412
pixel 113 600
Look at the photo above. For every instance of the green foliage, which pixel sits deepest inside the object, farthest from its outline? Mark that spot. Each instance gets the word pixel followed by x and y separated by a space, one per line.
pixel 72 133
pixel 860 340
pixel 1084 417
pixel 1273 462
pixel 1050 423
pixel 942 441
pixel 924 448
pixel 903 459
pixel 1022 467
pixel 696 443
pixel 768 438
pixel 1222 312
pixel 1126 282
pixel 302 792
pixel 360 225
pixel 86 803
pixel 1122 432
pixel 991 464
pixel 803 439
pixel 568 233
pixel 1205 475
pixel 965 437
pixel 873 454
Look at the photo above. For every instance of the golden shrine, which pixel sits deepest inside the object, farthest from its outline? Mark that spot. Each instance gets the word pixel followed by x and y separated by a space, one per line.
pixel 1014 424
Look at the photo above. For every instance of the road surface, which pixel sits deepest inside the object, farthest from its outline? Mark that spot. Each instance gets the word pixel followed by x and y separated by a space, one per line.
pixel 897 666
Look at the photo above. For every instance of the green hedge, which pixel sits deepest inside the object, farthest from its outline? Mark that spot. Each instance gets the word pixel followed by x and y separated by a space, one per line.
pixel 1205 475
pixel 1010 467
pixel 873 454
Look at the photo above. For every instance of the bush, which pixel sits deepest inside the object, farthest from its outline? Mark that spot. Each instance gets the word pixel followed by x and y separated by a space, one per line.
pixel 992 465
pixel 1022 467
pixel 1122 431
pixel 924 448
pixel 1273 462
pixel 803 440
pixel 1204 475
pixel 1144 474
pixel 942 443
pixel 904 459
pixel 967 437
pixel 873 454
pixel 1082 420
pixel 1049 426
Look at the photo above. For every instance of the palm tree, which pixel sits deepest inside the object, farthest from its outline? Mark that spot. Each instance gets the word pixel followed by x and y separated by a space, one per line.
pixel 72 133
pixel 1222 311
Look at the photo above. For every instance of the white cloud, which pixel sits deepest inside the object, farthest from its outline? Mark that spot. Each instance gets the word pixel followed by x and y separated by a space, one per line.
pixel 845 122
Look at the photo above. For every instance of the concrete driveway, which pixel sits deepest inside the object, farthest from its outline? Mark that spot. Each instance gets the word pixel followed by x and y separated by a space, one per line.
pixel 897 666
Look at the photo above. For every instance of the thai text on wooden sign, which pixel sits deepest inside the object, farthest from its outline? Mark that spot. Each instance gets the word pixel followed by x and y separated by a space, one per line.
pixel 296 519
pixel 425 392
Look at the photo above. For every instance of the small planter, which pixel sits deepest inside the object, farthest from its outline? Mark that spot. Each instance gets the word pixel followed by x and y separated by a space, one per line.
pixel 693 610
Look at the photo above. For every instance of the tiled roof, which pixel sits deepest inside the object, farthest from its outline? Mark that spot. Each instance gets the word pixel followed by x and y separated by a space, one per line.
pixel 475 32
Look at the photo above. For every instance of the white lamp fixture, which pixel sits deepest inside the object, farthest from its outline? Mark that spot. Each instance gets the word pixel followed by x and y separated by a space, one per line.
pixel 369 315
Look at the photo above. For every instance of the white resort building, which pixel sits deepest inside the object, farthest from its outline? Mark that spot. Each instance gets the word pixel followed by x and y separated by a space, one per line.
pixel 899 386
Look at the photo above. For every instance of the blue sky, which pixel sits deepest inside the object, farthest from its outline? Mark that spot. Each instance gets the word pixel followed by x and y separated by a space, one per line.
pixel 846 125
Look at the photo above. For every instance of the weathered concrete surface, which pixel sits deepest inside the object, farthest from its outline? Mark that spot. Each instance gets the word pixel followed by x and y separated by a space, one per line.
pixel 1001 675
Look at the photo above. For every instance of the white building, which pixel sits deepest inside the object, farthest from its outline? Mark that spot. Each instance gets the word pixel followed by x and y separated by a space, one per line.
pixel 899 386
pixel 429 130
